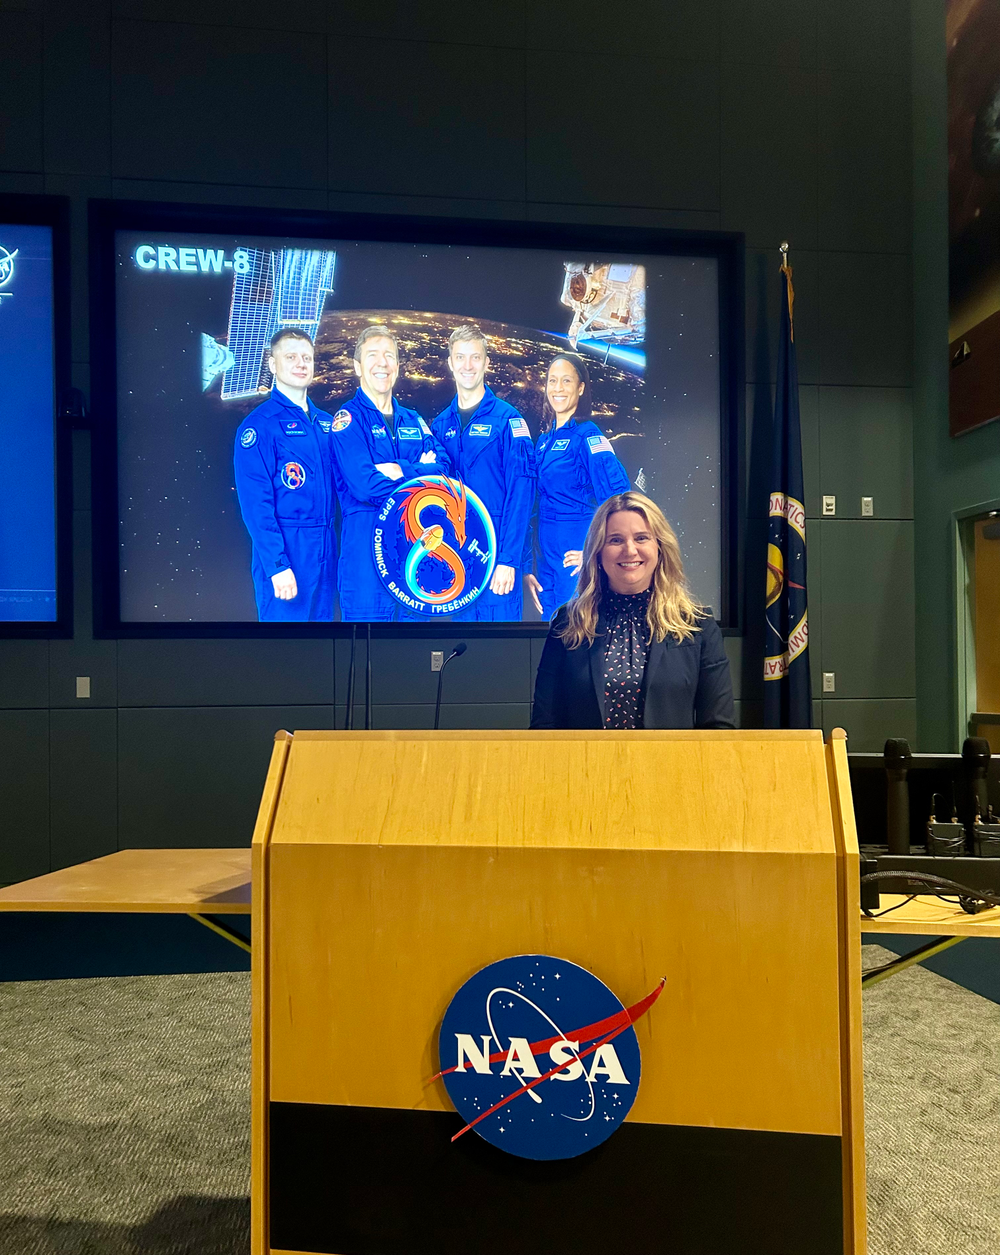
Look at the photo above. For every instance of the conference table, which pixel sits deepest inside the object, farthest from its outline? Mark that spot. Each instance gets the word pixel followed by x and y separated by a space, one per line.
pixel 945 922
pixel 199 883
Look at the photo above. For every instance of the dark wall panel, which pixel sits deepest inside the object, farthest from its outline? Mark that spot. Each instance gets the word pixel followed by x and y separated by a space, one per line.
pixel 493 669
pixel 24 794
pixel 218 105
pixel 864 326
pixel 772 33
pixel 864 181
pixel 681 30
pixel 770 156
pixel 868 606
pixel 602 158
pixel 83 785
pixel 82 655
pixel 21 91
pixel 266 672
pixel 869 724
pixel 860 35
pixel 417 134
pixel 193 777
pixel 307 15
pixel 77 88
pixel 867 450
pixel 24 673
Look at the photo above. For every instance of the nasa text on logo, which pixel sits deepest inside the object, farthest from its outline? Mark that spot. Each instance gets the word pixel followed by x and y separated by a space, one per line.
pixel 435 545
pixel 539 1056
pixel 293 475
pixel 6 269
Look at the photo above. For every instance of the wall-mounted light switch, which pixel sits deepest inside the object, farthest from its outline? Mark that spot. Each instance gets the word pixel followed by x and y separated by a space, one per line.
pixel 829 681
pixel 867 507
pixel 83 686
pixel 829 505
pixel 437 659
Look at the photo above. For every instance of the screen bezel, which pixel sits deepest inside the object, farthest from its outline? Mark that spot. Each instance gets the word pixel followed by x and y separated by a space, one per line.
pixel 24 209
pixel 108 217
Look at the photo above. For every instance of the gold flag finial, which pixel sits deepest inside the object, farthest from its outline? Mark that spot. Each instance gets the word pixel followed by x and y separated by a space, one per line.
pixel 786 270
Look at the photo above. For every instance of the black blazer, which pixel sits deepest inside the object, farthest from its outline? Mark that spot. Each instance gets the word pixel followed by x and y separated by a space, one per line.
pixel 685 685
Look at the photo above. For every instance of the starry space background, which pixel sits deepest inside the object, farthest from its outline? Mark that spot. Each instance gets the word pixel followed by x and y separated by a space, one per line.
pixel 184 552
pixel 573 998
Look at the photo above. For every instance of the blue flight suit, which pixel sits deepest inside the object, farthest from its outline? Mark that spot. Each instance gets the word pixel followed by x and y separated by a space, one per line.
pixel 284 481
pixel 493 455
pixel 577 470
pixel 362 437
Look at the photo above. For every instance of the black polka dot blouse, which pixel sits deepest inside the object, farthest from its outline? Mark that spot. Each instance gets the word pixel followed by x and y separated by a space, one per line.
pixel 626 646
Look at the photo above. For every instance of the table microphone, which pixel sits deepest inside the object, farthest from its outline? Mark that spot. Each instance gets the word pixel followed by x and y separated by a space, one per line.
pixel 457 652
pixel 976 761
pixel 897 759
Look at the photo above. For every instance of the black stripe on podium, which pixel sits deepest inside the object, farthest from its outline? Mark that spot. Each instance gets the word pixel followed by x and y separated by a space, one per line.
pixel 380 1181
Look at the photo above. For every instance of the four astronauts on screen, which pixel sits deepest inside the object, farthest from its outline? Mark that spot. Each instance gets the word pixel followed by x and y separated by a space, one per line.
pixel 293 462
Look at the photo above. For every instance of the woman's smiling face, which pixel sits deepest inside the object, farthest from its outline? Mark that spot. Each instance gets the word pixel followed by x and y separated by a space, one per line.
pixel 563 389
pixel 630 552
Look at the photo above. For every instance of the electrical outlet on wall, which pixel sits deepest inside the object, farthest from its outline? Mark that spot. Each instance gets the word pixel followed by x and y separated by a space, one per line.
pixel 437 659
pixel 83 686
pixel 829 682
pixel 829 505
pixel 867 507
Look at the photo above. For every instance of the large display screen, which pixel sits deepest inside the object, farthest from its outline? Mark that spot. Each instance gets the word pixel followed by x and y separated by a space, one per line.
pixel 28 465
pixel 331 429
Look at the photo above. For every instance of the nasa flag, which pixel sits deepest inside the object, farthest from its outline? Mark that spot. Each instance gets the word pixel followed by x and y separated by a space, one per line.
pixel 787 691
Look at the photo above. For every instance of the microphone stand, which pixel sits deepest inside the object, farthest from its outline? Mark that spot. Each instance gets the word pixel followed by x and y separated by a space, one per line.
pixel 349 716
pixel 368 678
pixel 457 652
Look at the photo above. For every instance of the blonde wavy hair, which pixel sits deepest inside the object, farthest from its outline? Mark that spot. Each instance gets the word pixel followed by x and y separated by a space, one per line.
pixel 672 609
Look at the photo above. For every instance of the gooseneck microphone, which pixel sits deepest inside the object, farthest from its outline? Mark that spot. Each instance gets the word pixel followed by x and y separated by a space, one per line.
pixel 349 716
pixel 897 759
pixel 457 652
pixel 368 678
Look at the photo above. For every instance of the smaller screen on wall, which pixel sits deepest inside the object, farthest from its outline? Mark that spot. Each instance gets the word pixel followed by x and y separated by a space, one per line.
pixel 27 467
pixel 331 429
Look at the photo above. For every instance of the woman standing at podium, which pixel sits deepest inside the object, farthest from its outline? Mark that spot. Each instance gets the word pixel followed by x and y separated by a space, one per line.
pixel 632 649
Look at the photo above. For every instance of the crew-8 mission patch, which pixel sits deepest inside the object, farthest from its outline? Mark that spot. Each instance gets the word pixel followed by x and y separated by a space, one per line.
pixel 539 1057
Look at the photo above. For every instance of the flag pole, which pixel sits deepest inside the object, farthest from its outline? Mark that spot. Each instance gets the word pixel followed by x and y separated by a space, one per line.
pixel 787 690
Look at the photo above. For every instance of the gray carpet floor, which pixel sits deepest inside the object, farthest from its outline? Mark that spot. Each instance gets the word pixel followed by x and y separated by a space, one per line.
pixel 124 1116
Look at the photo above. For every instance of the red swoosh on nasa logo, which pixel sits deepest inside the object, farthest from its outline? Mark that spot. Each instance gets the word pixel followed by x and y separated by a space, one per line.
pixel 610 1028
pixel 618 1021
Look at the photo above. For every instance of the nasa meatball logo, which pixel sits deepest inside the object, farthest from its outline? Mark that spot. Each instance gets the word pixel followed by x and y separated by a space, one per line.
pixel 539 1057
pixel 434 545
pixel 293 475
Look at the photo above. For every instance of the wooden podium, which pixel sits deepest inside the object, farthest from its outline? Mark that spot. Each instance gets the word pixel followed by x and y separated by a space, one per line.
pixel 389 867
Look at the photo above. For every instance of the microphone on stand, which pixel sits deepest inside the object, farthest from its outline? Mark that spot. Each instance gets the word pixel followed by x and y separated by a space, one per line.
pixel 457 652
pixel 368 679
pixel 349 716
pixel 976 761
pixel 898 761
